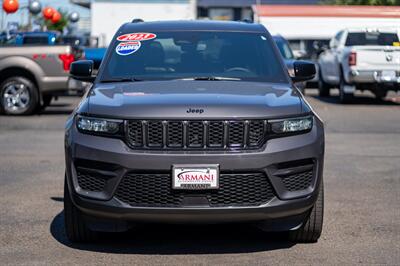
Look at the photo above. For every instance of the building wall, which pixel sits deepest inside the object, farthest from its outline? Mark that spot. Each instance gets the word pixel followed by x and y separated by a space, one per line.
pixel 247 3
pixel 239 9
pixel 108 16
pixel 320 27
pixel 84 24
pixel 323 21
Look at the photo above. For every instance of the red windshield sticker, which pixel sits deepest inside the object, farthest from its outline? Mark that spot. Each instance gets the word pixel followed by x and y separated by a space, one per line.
pixel 139 36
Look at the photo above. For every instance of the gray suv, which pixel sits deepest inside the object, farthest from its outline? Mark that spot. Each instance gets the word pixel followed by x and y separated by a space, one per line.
pixel 193 122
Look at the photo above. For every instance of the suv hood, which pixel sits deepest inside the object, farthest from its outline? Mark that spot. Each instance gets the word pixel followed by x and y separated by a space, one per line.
pixel 208 99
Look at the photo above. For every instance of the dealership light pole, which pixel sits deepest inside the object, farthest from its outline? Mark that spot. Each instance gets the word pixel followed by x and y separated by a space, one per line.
pixel 256 17
pixel 193 4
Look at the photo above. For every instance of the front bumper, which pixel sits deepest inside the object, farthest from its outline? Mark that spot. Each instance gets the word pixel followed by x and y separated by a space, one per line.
pixel 112 155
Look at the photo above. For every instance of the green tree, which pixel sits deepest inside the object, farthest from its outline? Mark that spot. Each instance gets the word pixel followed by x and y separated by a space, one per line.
pixel 367 2
pixel 60 25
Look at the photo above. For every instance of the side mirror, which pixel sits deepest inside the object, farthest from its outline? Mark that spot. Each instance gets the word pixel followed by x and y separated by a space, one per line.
pixel 303 71
pixel 82 70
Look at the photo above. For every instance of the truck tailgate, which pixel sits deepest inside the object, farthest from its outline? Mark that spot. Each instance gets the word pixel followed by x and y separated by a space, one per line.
pixel 377 57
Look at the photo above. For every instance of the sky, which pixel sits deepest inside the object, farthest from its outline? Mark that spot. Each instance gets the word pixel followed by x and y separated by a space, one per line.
pixel 21 15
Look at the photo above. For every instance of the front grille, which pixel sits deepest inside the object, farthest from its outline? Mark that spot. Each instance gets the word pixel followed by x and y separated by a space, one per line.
pixel 298 181
pixel 155 190
pixel 213 134
pixel 90 182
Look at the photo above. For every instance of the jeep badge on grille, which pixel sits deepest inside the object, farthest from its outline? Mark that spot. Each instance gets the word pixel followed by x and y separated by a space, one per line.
pixel 194 111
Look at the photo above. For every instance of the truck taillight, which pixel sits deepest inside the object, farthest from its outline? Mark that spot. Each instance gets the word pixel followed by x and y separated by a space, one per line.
pixel 67 59
pixel 352 59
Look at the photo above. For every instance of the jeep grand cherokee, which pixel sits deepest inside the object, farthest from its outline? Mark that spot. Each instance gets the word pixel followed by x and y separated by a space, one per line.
pixel 193 122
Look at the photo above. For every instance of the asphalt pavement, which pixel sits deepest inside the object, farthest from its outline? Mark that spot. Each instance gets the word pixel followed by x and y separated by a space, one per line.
pixel 362 200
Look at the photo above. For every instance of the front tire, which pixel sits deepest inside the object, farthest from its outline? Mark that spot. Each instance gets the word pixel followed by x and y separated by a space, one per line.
pixel 18 96
pixel 46 102
pixel 380 95
pixel 344 97
pixel 312 228
pixel 75 227
pixel 323 87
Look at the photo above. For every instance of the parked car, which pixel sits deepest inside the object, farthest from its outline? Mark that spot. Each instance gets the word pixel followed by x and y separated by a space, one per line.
pixel 31 75
pixel 90 53
pixel 361 59
pixel 76 41
pixel 193 122
pixel 95 54
pixel 288 57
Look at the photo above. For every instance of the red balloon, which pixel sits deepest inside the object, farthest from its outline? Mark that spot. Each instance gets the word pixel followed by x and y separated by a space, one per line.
pixel 48 12
pixel 10 6
pixel 56 17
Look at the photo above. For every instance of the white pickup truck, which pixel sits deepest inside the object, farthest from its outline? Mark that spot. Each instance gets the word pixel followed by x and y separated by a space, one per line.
pixel 361 59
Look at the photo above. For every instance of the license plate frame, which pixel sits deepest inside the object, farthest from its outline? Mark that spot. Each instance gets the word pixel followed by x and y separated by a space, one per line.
pixel 207 176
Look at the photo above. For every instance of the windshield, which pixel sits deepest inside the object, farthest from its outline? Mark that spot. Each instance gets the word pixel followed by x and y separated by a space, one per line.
pixel 194 54
pixel 371 38
pixel 284 48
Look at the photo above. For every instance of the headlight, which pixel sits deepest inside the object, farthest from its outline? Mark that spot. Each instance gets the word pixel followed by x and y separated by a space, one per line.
pixel 99 125
pixel 292 125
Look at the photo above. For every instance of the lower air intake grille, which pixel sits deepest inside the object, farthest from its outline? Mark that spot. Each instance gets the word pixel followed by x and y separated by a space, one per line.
pixel 298 181
pixel 90 182
pixel 154 190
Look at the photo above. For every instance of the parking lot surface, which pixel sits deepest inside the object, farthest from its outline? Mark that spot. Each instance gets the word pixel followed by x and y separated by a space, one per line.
pixel 362 207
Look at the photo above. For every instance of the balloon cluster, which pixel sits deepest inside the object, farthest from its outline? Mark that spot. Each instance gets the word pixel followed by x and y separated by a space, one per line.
pixel 50 13
pixel 34 6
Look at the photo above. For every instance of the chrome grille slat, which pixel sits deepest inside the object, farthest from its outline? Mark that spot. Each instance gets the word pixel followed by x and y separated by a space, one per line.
pixel 196 134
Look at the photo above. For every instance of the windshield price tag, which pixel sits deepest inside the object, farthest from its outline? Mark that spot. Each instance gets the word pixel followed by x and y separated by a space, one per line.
pixel 139 36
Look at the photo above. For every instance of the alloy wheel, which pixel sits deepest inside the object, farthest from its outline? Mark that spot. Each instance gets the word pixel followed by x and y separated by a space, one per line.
pixel 16 98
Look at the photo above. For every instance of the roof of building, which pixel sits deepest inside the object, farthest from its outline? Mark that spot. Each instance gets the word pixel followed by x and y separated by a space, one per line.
pixel 248 3
pixel 210 3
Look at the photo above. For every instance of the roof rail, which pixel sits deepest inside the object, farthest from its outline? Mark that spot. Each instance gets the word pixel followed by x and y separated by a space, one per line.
pixel 137 20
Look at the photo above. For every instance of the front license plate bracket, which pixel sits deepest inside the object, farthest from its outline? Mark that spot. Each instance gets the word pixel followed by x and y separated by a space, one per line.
pixel 195 177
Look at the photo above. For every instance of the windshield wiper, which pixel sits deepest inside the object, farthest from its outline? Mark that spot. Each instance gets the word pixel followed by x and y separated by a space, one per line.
pixel 211 78
pixel 120 80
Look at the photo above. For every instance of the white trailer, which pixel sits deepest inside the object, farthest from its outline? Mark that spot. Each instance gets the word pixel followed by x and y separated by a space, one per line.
pixel 303 24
